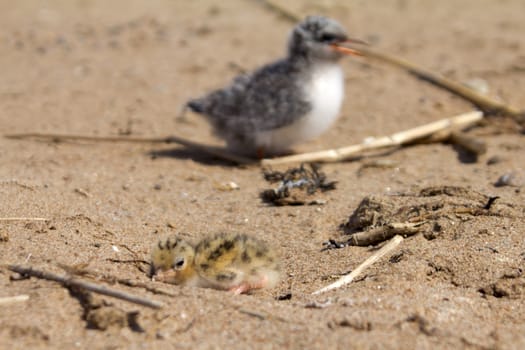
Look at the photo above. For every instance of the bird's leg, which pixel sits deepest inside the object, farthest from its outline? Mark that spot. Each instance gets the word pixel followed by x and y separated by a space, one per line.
pixel 246 287
pixel 240 289
pixel 167 276
pixel 260 153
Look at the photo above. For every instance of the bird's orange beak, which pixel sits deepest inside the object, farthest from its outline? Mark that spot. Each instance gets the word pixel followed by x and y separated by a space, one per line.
pixel 346 50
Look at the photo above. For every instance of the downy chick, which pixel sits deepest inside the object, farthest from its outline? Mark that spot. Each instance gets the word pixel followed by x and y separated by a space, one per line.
pixel 233 262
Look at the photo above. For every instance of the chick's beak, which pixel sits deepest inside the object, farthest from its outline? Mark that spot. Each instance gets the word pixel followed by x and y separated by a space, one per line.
pixel 346 50
pixel 164 276
pixel 152 271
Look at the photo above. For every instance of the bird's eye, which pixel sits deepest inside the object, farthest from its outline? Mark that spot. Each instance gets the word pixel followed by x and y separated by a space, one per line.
pixel 179 263
pixel 329 38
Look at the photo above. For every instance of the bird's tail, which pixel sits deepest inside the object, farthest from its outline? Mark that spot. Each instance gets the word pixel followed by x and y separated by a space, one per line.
pixel 196 106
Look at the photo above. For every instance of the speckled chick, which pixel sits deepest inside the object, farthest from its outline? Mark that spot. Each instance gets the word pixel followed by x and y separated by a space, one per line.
pixel 233 262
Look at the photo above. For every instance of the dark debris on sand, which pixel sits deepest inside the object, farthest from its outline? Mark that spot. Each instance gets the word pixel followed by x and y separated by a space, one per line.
pixel 297 186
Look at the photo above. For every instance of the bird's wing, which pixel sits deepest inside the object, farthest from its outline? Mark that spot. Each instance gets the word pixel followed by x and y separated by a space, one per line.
pixel 269 98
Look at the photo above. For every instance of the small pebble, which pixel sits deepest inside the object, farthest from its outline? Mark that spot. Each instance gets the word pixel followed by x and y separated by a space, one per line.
pixel 495 160
pixel 227 186
pixel 479 85
pixel 4 236
pixel 513 179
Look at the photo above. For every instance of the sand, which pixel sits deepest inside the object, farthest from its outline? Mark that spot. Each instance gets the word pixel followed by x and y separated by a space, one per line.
pixel 126 68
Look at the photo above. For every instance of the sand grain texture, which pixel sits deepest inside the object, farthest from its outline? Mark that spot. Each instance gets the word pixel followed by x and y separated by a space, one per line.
pixel 126 67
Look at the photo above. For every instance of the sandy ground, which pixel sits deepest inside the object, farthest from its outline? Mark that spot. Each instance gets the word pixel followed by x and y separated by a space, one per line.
pixel 126 67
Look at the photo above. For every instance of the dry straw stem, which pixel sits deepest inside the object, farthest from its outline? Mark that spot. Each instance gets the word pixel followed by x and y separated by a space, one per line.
pixel 23 219
pixel 15 299
pixel 437 131
pixel 391 245
pixel 214 151
pixel 68 281
pixel 485 103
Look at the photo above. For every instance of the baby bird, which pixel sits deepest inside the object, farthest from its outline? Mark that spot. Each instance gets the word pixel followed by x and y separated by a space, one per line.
pixel 233 262
pixel 289 101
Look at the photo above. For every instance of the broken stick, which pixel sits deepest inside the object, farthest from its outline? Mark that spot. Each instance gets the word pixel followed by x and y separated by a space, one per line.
pixel 443 127
pixel 212 150
pixel 68 281
pixel 14 299
pixel 79 271
pixel 382 233
pixel 23 219
pixel 391 245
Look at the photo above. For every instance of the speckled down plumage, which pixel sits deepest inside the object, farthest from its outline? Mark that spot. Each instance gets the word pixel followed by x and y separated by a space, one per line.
pixel 269 98
pixel 277 95
pixel 235 262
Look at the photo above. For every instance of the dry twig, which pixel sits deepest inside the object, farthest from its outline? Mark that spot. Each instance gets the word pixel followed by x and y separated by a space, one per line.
pixel 282 11
pixel 14 299
pixel 82 271
pixel 391 245
pixel 261 315
pixel 23 219
pixel 69 282
pixel 382 233
pixel 215 151
pixel 18 183
pixel 437 131
pixel 484 103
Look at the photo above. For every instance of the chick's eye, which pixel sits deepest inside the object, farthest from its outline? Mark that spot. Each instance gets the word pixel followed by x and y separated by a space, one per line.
pixel 329 38
pixel 179 263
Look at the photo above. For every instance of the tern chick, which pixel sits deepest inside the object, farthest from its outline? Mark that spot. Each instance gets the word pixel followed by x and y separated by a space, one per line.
pixel 285 102
pixel 234 262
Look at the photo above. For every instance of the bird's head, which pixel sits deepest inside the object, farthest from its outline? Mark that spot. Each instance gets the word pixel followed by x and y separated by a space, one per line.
pixel 320 38
pixel 172 261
